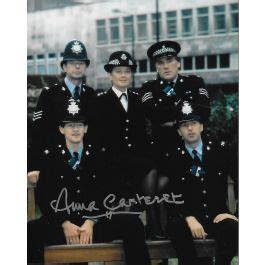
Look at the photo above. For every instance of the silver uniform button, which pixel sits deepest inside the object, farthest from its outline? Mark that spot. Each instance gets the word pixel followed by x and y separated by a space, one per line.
pixel 126 129
pixel 94 176
pixel 207 216
pixel 219 173
pixel 160 100
pixel 61 177
pixel 126 137
pixel 78 178
pixel 127 120
pixel 182 178
pixel 167 154
pixel 78 213
pixel 204 191
pixel 78 191
pixel 129 145
pixel 204 205
pixel 202 179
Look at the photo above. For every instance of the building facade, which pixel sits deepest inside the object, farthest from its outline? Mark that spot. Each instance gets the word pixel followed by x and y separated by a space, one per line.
pixel 206 29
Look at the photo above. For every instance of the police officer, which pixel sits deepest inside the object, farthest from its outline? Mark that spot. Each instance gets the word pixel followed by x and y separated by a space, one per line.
pixel 161 96
pixel 199 171
pixel 119 118
pixel 53 100
pixel 72 173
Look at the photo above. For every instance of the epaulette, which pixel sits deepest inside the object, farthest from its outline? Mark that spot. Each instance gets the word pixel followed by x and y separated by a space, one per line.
pixel 196 76
pixel 99 94
pixel 136 93
pixel 180 150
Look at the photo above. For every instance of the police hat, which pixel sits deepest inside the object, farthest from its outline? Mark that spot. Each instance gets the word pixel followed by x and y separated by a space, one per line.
pixel 120 58
pixel 188 112
pixel 163 48
pixel 72 113
pixel 75 50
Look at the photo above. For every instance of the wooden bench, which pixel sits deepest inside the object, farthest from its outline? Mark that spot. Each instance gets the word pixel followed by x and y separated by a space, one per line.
pixel 109 252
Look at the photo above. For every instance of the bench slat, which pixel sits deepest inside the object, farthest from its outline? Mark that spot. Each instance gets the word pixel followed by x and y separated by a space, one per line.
pixel 114 251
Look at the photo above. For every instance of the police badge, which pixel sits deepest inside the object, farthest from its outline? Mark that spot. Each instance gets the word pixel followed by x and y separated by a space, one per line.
pixel 76 47
pixel 186 108
pixel 73 108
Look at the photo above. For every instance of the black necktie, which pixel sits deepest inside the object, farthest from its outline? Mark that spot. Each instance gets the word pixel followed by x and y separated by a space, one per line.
pixel 74 161
pixel 172 84
pixel 196 159
pixel 123 95
pixel 76 93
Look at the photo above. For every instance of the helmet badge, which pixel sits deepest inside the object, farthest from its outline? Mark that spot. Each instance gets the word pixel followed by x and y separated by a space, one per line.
pixel 76 47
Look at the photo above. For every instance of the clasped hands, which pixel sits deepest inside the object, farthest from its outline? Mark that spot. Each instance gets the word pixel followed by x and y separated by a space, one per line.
pixel 78 234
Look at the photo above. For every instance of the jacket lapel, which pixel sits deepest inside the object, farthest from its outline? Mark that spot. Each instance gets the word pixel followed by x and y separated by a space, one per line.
pixel 113 98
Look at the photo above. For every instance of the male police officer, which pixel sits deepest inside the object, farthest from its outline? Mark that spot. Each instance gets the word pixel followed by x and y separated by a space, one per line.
pixel 53 100
pixel 161 97
pixel 198 171
pixel 70 189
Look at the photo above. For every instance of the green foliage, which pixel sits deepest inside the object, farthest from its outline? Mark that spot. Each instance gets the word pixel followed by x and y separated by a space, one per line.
pixel 223 123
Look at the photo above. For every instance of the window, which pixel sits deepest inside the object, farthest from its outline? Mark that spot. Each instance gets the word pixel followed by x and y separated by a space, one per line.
pixel 199 62
pixel 40 56
pixel 41 69
pixel 211 61
pixel 30 70
pixel 234 17
pixel 171 24
pixel 52 69
pixel 30 57
pixel 219 19
pixel 114 30
pixel 128 28
pixel 154 32
pixel 142 66
pixel 142 27
pixel 186 22
pixel 52 55
pixel 224 60
pixel 152 67
pixel 101 31
pixel 203 22
pixel 187 63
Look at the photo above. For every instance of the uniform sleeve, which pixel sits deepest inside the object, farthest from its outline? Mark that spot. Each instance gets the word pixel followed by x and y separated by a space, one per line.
pixel 148 102
pixel 202 98
pixel 48 190
pixel 40 124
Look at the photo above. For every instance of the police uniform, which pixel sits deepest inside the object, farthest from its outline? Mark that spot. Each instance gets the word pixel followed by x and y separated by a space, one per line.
pixel 204 191
pixel 82 184
pixel 161 99
pixel 50 106
pixel 123 133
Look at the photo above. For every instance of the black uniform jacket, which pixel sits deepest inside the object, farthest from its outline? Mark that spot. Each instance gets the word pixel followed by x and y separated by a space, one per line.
pixel 49 112
pixel 203 189
pixel 81 186
pixel 122 133
pixel 160 102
